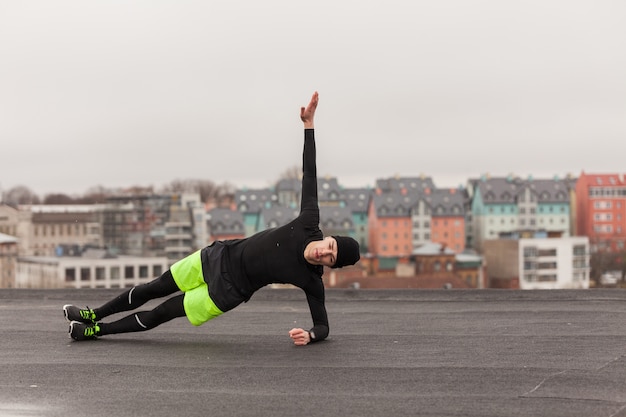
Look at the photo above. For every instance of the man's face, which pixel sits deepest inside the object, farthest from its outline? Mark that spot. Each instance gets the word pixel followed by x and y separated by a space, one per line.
pixel 322 252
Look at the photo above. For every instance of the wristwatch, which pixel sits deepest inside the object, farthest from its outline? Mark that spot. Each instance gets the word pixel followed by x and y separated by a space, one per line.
pixel 311 335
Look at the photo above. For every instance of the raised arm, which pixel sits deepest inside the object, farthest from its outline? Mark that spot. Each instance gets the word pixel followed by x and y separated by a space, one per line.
pixel 308 203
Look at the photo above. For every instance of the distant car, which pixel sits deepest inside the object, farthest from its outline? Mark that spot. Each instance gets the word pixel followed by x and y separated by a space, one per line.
pixel 609 278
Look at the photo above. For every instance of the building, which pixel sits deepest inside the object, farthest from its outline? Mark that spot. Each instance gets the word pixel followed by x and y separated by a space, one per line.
pixel 12 220
pixel 94 269
pixel 171 225
pixel 601 211
pixel 509 204
pixel 329 192
pixel 225 224
pixel 538 263
pixel 357 200
pixel 409 185
pixel 289 191
pixel 400 221
pixel 250 203
pixel 276 216
pixel 8 260
pixel 438 263
pixel 185 228
pixel 439 216
pixel 40 229
pixel 336 221
pixel 390 226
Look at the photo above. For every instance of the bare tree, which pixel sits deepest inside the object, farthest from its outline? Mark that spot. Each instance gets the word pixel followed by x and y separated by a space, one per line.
pixel 21 195
pixel 220 195
pixel 58 199
pixel 96 195
pixel 294 172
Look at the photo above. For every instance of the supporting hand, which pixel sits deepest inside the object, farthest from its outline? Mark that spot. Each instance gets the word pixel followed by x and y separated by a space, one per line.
pixel 300 337
pixel 307 114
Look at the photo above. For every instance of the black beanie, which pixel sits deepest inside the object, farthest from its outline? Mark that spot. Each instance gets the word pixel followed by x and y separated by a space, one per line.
pixel 347 251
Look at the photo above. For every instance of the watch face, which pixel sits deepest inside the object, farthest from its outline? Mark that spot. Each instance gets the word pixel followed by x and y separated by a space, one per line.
pixel 312 335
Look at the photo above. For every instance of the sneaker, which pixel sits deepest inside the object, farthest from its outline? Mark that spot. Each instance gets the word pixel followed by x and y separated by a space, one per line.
pixel 82 331
pixel 83 315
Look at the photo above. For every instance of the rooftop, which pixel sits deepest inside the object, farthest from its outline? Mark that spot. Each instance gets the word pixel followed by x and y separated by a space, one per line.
pixel 487 353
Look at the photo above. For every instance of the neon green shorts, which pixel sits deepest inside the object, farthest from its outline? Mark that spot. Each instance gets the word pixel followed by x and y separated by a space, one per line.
pixel 199 307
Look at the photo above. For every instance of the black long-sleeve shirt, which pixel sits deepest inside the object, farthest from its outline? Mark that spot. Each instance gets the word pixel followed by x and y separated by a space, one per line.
pixel 276 255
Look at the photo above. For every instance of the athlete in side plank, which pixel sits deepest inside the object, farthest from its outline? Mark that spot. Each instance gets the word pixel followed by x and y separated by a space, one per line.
pixel 221 276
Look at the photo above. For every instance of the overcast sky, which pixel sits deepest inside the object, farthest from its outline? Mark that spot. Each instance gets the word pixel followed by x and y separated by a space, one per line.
pixel 122 93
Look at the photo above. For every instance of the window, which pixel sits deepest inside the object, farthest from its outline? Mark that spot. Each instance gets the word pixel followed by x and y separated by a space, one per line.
pixel 129 272
pixel 85 274
pixel 70 274
pixel 547 278
pixel 530 277
pixel 115 272
pixel 602 205
pixel 530 251
pixel 100 274
pixel 143 271
pixel 157 270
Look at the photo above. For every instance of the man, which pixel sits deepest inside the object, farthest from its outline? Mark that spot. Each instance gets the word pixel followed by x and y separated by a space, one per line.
pixel 221 276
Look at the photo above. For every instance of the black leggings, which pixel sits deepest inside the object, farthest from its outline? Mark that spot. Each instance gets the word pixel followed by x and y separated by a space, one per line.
pixel 136 297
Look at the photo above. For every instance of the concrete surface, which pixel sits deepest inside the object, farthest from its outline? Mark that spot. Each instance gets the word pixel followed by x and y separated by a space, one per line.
pixel 391 353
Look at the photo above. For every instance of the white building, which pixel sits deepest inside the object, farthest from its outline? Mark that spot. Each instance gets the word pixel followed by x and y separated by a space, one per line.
pixel 8 257
pixel 539 263
pixel 87 271
pixel 554 263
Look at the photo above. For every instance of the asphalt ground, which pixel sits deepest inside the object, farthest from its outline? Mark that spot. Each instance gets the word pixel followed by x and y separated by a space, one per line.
pixel 390 353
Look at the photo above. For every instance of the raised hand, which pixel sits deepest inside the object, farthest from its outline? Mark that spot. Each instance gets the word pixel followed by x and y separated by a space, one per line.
pixel 307 114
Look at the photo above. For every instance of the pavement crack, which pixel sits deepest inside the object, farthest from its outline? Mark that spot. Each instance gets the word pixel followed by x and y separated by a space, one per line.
pixel 610 362
pixel 542 382
pixel 622 408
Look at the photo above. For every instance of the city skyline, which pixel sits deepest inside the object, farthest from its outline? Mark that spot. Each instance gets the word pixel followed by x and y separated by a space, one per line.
pixel 269 184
